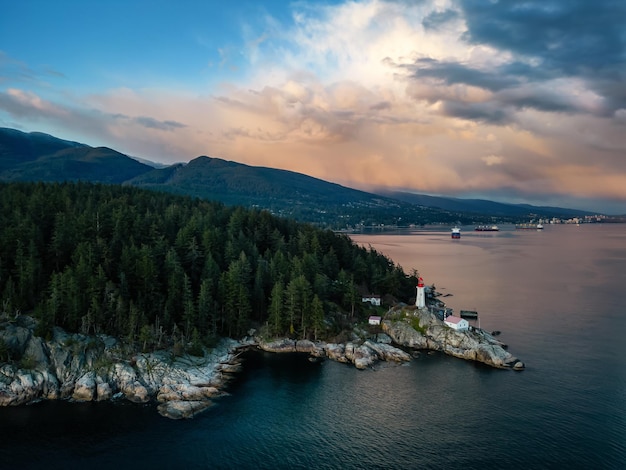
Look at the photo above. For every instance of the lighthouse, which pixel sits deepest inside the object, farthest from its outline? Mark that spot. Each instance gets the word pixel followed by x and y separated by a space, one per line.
pixel 420 301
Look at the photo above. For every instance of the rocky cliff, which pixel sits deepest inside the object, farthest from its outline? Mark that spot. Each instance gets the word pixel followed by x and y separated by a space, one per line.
pixel 94 368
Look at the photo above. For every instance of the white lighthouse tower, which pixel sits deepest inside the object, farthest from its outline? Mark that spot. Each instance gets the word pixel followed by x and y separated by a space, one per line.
pixel 420 300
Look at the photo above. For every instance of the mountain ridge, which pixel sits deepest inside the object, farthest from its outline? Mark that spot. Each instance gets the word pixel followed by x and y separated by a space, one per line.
pixel 37 156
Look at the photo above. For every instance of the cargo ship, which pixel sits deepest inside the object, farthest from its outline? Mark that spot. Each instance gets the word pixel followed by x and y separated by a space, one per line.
pixel 486 228
pixel 529 226
pixel 456 232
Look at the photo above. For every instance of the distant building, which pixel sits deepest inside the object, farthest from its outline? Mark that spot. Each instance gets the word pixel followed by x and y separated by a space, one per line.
pixel 372 299
pixel 374 320
pixel 456 323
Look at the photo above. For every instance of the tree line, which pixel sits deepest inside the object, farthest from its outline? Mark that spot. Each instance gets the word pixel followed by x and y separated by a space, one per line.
pixel 151 267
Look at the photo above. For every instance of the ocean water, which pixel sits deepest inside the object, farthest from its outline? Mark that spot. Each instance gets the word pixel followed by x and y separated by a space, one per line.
pixel 556 296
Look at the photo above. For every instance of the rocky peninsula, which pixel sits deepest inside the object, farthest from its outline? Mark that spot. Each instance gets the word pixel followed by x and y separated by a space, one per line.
pixel 95 368
pixel 409 328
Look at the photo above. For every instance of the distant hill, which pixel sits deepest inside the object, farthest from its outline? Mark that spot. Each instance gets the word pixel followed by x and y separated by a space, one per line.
pixel 40 157
pixel 18 147
pixel 482 206
pixel 283 192
pixel 236 183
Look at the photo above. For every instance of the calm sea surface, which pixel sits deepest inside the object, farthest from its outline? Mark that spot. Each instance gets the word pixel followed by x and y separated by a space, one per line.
pixel 556 295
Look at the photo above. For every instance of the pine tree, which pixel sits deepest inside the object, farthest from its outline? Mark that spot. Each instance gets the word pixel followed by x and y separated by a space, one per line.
pixel 276 309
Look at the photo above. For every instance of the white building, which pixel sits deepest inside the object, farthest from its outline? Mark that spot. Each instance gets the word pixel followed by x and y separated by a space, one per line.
pixel 374 320
pixel 373 299
pixel 456 323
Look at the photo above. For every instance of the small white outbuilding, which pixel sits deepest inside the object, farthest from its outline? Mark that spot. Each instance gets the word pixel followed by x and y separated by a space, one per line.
pixel 374 320
pixel 456 323
pixel 372 299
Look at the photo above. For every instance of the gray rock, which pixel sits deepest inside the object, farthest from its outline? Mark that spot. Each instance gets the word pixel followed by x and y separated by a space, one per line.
pixel 16 338
pixel 37 352
pixel 336 352
pixel 278 346
pixel 103 390
pixel 387 352
pixel 363 357
pixel 305 345
pixel 383 338
pixel 185 392
pixel 85 388
pixel 183 409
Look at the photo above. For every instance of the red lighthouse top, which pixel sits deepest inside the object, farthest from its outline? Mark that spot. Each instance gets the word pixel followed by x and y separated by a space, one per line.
pixel 420 282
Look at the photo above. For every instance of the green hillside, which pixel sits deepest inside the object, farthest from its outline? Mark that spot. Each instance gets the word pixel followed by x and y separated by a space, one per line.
pixel 78 163
pixel 155 267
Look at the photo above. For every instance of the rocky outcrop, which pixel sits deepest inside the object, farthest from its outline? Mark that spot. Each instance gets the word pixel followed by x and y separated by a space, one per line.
pixel 96 368
pixel 362 354
pixel 386 352
pixel 179 409
pixel 432 334
pixel 283 345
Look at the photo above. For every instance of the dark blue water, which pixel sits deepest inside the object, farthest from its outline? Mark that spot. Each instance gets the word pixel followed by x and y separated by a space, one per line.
pixel 557 296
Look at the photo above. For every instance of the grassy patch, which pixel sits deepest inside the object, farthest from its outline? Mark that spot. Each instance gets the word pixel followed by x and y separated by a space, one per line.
pixel 28 362
pixel 415 324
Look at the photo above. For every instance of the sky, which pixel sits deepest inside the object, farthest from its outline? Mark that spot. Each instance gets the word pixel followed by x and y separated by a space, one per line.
pixel 507 100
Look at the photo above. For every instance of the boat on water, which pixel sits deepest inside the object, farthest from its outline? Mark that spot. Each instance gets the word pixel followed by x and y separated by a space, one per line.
pixel 529 226
pixel 486 228
pixel 456 232
pixel 468 314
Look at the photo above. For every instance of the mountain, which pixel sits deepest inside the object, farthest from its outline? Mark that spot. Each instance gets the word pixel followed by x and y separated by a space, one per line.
pixel 18 147
pixel 283 192
pixel 236 183
pixel 482 206
pixel 40 157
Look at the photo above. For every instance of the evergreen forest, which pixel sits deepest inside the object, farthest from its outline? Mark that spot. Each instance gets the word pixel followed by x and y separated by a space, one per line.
pixel 159 269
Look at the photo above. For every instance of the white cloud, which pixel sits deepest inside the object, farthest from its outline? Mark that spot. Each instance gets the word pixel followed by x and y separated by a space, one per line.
pixel 491 160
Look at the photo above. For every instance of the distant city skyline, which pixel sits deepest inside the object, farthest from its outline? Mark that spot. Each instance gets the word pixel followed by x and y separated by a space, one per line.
pixel 512 101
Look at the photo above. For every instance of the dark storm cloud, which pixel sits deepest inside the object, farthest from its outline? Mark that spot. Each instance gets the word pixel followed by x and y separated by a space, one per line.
pixel 549 41
pixel 509 91
pixel 571 38
pixel 452 73
pixel 438 18
pixel 483 112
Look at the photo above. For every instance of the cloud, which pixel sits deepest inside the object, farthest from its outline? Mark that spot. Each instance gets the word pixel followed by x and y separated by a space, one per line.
pixel 437 19
pixel 573 38
pixel 16 71
pixel 152 123
pixel 492 160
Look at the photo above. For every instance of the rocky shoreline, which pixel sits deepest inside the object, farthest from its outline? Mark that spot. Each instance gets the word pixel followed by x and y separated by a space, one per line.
pixel 96 368
pixel 431 334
